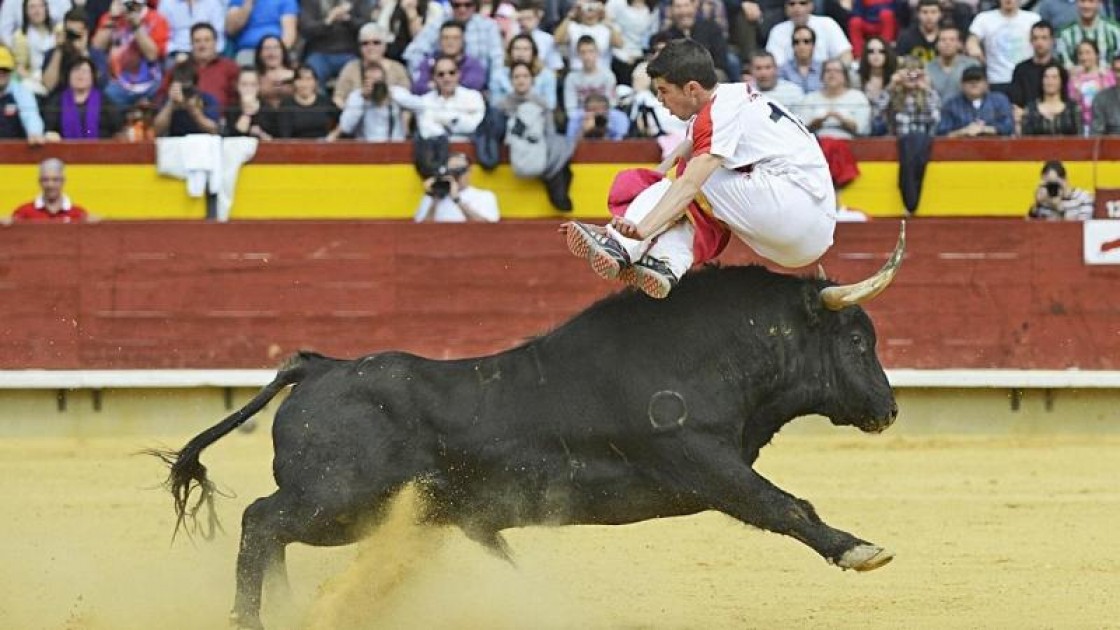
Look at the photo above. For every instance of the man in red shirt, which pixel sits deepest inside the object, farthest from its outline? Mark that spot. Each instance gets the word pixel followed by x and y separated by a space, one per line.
pixel 217 75
pixel 51 205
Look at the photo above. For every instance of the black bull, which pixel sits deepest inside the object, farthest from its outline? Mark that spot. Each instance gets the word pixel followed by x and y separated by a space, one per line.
pixel 635 409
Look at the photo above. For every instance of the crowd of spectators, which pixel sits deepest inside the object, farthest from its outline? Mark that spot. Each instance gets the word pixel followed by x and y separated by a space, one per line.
pixel 378 70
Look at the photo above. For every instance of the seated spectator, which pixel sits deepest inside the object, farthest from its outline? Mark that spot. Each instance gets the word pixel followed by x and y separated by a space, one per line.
pixel 1053 114
pixel 876 68
pixel 217 75
pixel 522 49
pixel 529 15
pixel 976 111
pixel 1026 78
pixel 71 44
pixel 373 40
pixel 535 149
pixel 637 21
pixel 249 115
pixel 764 75
pixel 648 117
pixel 405 20
pixel 472 72
pixel 307 114
pixel 1106 107
pixel 946 70
pixel 911 106
pixel 183 15
pixel 330 33
pixel 1000 38
pixel 588 18
pixel 920 39
pixel 52 205
pixel 186 109
pixel 1058 13
pixel 832 43
pixel 590 78
pixel 1092 25
pixel 597 120
pixel 483 40
pixel 449 110
pixel 135 37
pixel 31 43
pixel 802 70
pixel 248 22
pixel 450 198
pixel 80 112
pixel 871 18
pixel 683 22
pixel 1087 79
pixel 836 110
pixel 19 111
pixel 12 18
pixel 370 113
pixel 1056 200
pixel 276 70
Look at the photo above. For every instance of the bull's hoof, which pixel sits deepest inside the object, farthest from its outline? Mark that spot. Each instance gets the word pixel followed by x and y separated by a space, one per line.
pixel 244 622
pixel 864 558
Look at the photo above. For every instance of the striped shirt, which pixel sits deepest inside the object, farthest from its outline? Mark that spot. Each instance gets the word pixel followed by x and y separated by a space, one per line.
pixel 1104 32
pixel 1076 205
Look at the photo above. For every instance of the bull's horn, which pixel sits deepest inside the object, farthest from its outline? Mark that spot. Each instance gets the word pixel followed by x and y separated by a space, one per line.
pixel 836 298
pixel 821 275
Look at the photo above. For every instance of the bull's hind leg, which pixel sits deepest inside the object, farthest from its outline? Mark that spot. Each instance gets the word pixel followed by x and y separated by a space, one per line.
pixel 738 491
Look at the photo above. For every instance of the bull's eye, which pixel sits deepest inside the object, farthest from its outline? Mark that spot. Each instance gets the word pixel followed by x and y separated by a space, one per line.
pixel 858 343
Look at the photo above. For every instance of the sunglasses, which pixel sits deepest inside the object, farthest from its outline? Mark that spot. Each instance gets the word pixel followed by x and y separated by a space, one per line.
pixel 795 3
pixel 447 73
pixel 372 42
pixel 462 5
pixel 803 41
pixel 875 51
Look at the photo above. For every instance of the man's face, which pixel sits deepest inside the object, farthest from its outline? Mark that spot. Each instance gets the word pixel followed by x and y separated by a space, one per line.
pixel 78 27
pixel 803 44
pixel 528 20
pixel 1088 9
pixel 676 99
pixel 973 90
pixel 588 56
pixel 928 17
pixel 458 167
pixel 462 10
pixel 50 181
pixel 451 41
pixel 765 73
pixel 948 42
pixel 204 46
pixel 683 13
pixel 798 11
pixel 1042 42
pixel 373 48
pixel 446 75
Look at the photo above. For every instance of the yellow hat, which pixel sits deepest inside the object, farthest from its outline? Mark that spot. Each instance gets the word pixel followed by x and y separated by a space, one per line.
pixel 7 62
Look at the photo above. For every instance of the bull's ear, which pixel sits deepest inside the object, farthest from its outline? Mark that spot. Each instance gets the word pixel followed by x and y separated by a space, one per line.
pixel 811 300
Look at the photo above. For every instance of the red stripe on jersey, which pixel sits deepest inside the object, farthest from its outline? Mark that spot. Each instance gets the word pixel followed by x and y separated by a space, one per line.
pixel 702 130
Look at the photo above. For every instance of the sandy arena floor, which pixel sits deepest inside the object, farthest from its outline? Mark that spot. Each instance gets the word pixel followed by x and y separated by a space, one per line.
pixel 990 532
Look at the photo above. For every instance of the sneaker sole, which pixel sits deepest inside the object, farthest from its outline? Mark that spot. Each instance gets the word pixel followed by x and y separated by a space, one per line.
pixel 584 245
pixel 652 284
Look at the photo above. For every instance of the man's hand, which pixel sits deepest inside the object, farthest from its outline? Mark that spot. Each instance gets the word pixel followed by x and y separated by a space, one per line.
pixel 752 12
pixel 340 13
pixel 175 94
pixel 626 227
pixel 35 140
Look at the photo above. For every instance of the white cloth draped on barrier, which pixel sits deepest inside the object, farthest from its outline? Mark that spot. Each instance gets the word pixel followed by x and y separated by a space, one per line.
pixel 208 163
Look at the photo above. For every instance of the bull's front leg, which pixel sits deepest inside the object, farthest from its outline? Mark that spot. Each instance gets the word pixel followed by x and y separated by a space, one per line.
pixel 742 493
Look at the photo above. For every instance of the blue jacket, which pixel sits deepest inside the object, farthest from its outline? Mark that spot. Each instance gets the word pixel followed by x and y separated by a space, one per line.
pixel 995 110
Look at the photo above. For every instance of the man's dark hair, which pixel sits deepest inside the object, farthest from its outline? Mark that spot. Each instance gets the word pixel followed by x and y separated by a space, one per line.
pixel 1043 25
pixel 77 14
pixel 929 3
pixel 586 39
pixel 1056 166
pixel 595 97
pixel 200 26
pixel 184 72
pixel 453 24
pixel 806 29
pixel 681 61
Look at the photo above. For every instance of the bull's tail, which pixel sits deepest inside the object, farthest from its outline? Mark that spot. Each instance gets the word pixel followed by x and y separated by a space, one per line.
pixel 187 472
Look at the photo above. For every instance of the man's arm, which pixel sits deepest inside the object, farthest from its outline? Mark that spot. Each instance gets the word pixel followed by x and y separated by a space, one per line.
pixel 681 193
pixel 973 48
pixel 237 17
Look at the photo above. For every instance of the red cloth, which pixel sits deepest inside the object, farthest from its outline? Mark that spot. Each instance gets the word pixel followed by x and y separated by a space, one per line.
pixel 28 212
pixel 842 164
pixel 711 236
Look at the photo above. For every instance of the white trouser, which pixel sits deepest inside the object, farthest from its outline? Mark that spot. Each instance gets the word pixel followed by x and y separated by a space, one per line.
pixel 673 246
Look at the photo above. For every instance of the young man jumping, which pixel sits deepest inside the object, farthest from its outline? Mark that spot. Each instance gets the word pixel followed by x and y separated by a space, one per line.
pixel 751 165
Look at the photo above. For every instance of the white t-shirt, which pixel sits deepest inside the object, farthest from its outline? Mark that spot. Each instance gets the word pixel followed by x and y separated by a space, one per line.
pixel 600 32
pixel 831 40
pixel 1006 41
pixel 481 201
pixel 852 103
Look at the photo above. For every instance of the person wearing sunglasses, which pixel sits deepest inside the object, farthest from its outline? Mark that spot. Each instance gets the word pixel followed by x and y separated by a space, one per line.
pixel 802 70
pixel 373 41
pixel 831 42
pixel 871 18
pixel 472 72
pixel 481 36
pixel 449 109
pixel 450 198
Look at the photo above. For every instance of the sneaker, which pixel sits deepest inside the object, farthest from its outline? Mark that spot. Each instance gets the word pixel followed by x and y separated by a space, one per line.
pixel 606 256
pixel 650 276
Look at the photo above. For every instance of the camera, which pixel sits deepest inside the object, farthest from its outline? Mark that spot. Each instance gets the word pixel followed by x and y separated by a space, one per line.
pixel 1054 189
pixel 441 185
pixel 600 121
pixel 72 36
pixel 133 6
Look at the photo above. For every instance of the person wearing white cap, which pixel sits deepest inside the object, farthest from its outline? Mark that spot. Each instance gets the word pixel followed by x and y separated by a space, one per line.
pixel 19 113
pixel 373 40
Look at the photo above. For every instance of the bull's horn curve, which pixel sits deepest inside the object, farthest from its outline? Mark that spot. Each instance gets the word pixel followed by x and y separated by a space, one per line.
pixel 821 275
pixel 839 297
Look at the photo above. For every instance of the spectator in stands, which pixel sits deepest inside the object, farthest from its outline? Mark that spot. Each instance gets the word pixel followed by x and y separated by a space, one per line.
pixel 1026 79
pixel 587 18
pixel 217 75
pixel 751 25
pixel 370 113
pixel 473 73
pixel 1000 38
pixel 183 15
pixel 831 41
pixel 80 112
pixel 957 13
pixel 876 68
pixel 1056 200
pixel 764 75
pixel 802 69
pixel 19 112
pixel 871 18
pixel 523 49
pixel 597 120
pixel 911 107
pixel 591 78
pixel 71 44
pixel 535 149
pixel 683 22
pixel 186 109
pixel 529 16
pixel 483 39
pixel 135 37
pixel 249 22
pixel 249 115
pixel 920 39
pixel 1058 13
pixel 405 20
pixel 276 70
pixel 1087 79
pixel 52 205
pixel 976 111
pixel 637 21
pixel 373 40
pixel 1052 114
pixel 1091 25
pixel 12 16
pixel 450 198
pixel 648 117
pixel 946 70
pixel 330 33
pixel 449 110
pixel 1106 107
pixel 836 110
pixel 31 43
pixel 307 114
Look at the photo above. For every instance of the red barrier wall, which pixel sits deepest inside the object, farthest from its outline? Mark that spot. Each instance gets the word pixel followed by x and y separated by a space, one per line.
pixel 976 293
